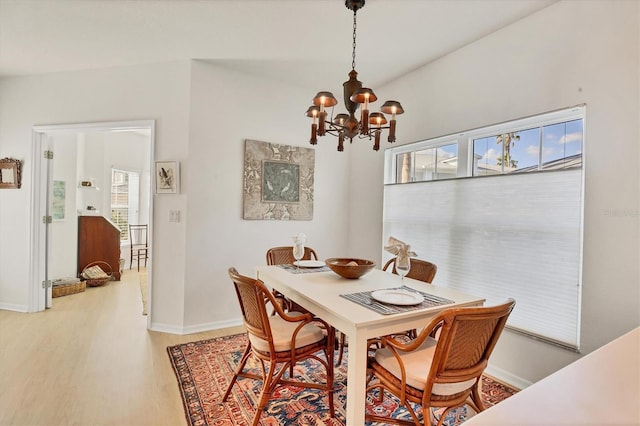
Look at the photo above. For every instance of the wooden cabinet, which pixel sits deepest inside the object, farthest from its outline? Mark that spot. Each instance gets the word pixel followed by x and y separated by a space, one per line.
pixel 98 239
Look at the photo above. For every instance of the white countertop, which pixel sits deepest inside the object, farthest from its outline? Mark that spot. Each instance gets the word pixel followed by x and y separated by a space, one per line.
pixel 602 388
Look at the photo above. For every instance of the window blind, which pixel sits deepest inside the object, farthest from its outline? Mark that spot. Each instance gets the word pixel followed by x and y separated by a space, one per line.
pixel 501 236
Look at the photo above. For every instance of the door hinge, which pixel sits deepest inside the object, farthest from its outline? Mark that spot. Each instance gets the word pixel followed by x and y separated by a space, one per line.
pixel 48 155
pixel 47 219
pixel 46 283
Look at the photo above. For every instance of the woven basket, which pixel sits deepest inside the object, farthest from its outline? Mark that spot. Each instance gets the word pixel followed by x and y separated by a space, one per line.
pixel 96 282
pixel 67 289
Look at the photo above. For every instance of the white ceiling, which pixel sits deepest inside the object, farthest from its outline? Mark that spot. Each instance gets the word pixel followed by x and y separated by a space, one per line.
pixel 303 42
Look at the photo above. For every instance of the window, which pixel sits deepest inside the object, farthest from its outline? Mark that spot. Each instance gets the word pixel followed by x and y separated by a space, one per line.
pixel 125 200
pixel 512 228
pixel 437 162
pixel 551 147
pixel 562 145
pixel 506 152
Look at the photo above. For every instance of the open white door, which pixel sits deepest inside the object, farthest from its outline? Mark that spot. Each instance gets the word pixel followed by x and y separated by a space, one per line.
pixel 44 265
pixel 40 290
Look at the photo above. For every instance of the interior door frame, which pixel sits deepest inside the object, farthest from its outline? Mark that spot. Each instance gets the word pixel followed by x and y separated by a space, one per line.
pixel 40 242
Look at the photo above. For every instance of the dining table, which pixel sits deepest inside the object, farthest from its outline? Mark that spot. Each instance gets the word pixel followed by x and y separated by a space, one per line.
pixel 349 305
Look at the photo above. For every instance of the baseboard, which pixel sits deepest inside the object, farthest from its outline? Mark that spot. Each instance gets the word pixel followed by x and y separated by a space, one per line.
pixel 15 308
pixel 165 328
pixel 507 377
pixel 198 328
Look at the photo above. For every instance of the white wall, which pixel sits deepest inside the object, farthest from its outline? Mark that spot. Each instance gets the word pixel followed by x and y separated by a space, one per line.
pixel 90 167
pixel 160 92
pixel 570 53
pixel 226 109
pixel 129 151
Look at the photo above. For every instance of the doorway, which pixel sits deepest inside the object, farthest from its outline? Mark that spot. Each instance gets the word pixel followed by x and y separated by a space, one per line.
pixel 73 166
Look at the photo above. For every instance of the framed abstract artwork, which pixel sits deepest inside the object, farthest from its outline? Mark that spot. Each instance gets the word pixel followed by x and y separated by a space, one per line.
pixel 167 177
pixel 278 181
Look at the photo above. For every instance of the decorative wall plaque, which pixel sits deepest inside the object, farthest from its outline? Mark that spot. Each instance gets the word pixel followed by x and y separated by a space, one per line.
pixel 10 173
pixel 278 181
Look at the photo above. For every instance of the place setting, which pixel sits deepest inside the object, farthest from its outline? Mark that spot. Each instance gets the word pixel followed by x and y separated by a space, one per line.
pixel 396 300
pixel 300 265
pixel 305 266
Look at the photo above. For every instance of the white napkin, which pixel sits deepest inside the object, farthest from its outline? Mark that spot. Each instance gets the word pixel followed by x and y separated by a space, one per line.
pixel 399 248
pixel 300 239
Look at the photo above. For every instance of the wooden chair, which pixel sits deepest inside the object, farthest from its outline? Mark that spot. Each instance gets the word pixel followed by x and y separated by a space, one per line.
pixel 420 269
pixel 284 256
pixel 279 342
pixel 139 243
pixel 439 373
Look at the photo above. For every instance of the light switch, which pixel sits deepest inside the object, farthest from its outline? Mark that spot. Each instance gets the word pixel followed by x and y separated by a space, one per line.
pixel 174 215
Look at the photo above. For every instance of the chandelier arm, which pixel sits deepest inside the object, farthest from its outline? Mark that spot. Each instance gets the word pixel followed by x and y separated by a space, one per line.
pixel 334 132
pixel 365 136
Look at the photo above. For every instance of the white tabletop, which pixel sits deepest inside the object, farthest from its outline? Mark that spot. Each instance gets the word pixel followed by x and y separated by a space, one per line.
pixel 319 292
pixel 602 388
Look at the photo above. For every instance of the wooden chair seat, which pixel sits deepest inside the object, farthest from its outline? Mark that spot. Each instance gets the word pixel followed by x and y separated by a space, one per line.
pixel 282 330
pixel 416 364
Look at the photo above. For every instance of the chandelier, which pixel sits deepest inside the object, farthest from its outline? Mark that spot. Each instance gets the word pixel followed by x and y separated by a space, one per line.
pixel 368 125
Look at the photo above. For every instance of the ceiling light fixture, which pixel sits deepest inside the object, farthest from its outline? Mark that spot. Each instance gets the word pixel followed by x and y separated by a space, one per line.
pixel 370 125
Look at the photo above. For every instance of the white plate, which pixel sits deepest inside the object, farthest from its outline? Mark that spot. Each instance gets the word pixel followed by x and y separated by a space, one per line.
pixel 397 296
pixel 309 263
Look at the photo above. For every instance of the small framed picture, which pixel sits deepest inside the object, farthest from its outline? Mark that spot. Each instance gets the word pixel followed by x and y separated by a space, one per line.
pixel 58 203
pixel 167 177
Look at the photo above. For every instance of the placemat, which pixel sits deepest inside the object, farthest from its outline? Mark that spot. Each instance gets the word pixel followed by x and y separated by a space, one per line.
pixel 364 299
pixel 295 270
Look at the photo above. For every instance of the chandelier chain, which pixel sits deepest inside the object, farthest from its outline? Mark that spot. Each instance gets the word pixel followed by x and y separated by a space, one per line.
pixel 353 54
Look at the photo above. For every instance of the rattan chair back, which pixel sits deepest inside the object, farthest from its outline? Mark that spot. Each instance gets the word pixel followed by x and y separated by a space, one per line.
pixel 252 296
pixel 420 269
pixel 467 339
pixel 284 255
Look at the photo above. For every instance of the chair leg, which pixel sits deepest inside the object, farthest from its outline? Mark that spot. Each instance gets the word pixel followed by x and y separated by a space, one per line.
pixel 476 397
pixel 243 361
pixel 341 347
pixel 271 378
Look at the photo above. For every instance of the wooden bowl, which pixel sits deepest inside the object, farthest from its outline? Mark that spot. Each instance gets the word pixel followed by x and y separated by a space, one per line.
pixel 350 268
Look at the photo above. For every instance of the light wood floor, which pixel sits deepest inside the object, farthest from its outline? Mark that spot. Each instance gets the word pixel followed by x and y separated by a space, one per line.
pixel 90 361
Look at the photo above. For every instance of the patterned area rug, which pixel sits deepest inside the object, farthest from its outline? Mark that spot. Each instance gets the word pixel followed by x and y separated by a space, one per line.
pixel 204 369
